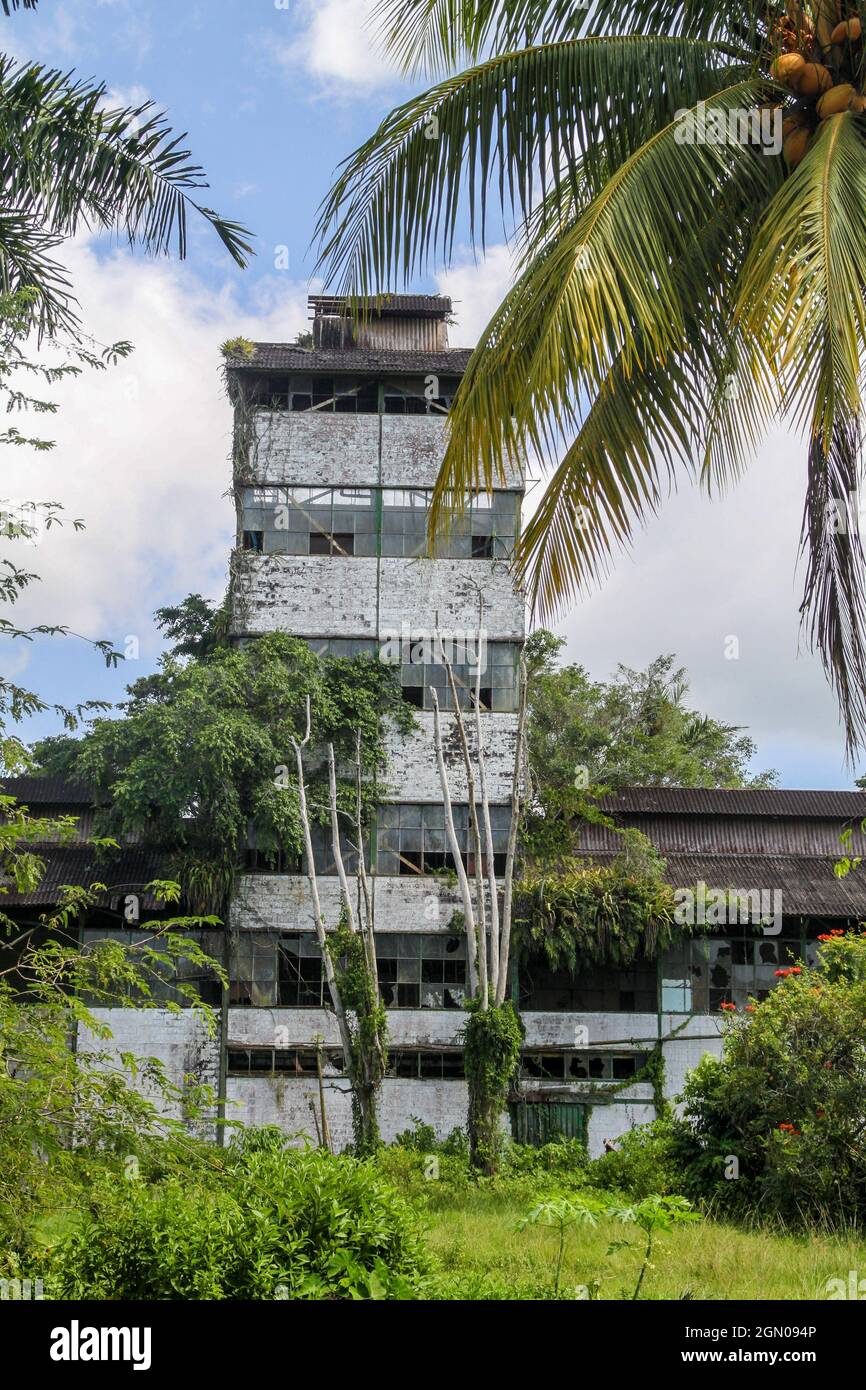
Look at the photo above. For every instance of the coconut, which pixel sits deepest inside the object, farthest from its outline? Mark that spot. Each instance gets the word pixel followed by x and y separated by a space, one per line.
pixel 796 146
pixel 858 104
pixel 787 67
pixel 812 78
pixel 792 123
pixel 847 32
pixel 837 99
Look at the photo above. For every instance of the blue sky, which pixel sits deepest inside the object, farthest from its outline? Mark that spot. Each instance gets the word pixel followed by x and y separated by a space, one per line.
pixel 272 97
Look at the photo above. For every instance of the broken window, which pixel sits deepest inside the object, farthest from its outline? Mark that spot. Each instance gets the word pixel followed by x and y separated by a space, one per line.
pixel 411 838
pixel 603 989
pixel 499 676
pixel 580 1065
pixel 283 1061
pixel 485 530
pixel 310 520
pixel 421 971
pixel 276 969
pixel 426 1065
pixel 700 975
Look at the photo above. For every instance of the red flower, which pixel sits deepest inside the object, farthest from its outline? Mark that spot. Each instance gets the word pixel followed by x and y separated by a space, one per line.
pixel 788 1129
pixel 750 1008
pixel 796 970
pixel 729 1007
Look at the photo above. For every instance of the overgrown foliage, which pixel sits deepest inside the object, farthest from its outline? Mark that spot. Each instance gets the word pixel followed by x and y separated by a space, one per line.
pixel 492 1039
pixel 202 758
pixel 276 1224
pixel 60 1104
pixel 587 737
pixel 775 1126
pixel 584 913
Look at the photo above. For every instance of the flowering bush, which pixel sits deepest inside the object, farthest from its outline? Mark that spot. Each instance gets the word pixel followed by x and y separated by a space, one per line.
pixel 777 1123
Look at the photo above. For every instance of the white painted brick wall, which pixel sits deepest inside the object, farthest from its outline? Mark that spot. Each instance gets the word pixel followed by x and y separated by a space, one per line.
pixel 285 1101
pixel 332 450
pixel 281 902
pixel 335 596
pixel 179 1041
pixel 413 775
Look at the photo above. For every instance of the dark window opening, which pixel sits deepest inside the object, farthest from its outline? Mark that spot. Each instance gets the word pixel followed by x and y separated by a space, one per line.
pixel 482 547
pixel 414 695
pixel 254 540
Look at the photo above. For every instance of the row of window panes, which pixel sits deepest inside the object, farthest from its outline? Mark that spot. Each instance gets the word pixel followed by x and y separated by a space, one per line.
pixel 499 672
pixel 700 975
pixel 349 521
pixel 412 839
pixel 581 1066
pixel 416 971
pixel 696 977
pixel 301 1062
pixel 163 979
pixel 439 1065
pixel 354 395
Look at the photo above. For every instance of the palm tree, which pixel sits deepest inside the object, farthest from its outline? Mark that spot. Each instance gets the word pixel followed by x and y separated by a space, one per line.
pixel 68 162
pixel 681 284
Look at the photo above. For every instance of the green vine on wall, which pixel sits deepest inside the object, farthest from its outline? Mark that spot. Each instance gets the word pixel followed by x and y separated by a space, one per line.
pixel 492 1039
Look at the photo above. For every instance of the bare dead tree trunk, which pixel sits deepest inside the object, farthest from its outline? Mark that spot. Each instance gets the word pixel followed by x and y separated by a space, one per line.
pixel 318 920
pixel 454 846
pixel 485 811
pixel 370 1054
pixel 481 915
pixel 326 1135
pixel 517 791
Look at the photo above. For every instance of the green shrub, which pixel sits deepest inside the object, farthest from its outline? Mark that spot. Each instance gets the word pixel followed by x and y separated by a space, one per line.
pixel 279 1224
pixel 646 1161
pixel 775 1126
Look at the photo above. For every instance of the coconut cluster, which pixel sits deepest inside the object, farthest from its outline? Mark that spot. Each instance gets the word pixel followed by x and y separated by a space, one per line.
pixel 818 85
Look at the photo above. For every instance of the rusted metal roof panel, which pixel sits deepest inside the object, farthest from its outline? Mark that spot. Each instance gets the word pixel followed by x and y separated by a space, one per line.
pixel 714 801
pixel 52 791
pixel 807 883
pixel 287 357
pixel 728 834
pixel 125 872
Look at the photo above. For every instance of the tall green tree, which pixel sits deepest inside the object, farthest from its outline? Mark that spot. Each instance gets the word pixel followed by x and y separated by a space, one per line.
pixel 586 737
pixel 677 292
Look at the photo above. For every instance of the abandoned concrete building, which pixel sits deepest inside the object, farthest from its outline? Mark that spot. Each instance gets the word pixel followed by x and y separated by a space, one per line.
pixel 338 445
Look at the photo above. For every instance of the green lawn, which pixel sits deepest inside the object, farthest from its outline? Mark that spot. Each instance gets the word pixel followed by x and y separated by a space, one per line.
pixel 480 1253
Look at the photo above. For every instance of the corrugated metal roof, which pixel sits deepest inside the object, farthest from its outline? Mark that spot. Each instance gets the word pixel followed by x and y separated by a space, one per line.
pixel 47 791
pixel 807 883
pixel 713 801
pixel 287 357
pixel 436 305
pixel 728 834
pixel 127 871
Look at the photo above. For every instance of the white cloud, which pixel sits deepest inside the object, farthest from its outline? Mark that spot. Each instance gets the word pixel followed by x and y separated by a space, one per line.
pixel 476 286
pixel 142 449
pixel 334 42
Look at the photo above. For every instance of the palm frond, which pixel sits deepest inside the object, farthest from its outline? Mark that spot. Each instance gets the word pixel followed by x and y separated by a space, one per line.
pixel 66 162
pixel 805 279
pixel 608 290
pixel 834 602
pixel 501 132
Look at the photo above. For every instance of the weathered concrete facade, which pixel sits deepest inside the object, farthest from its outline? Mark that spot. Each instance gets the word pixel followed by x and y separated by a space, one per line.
pixel 336 450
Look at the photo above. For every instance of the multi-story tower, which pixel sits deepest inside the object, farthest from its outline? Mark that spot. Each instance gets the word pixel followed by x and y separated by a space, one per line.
pixel 338 445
